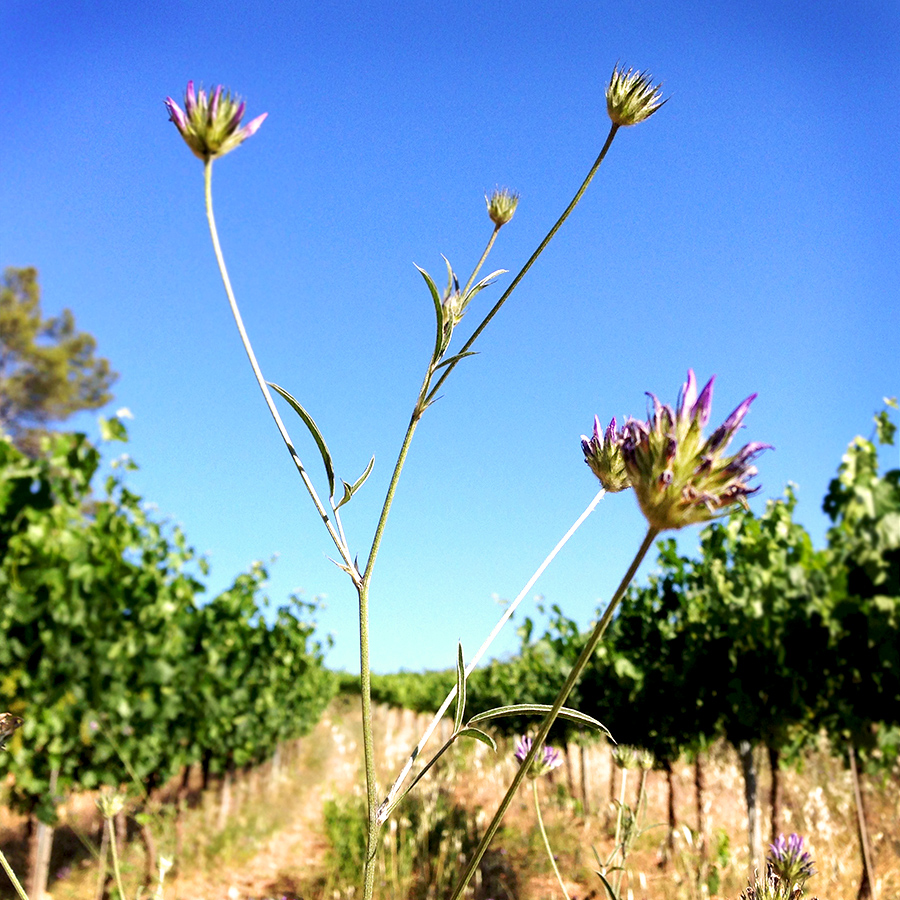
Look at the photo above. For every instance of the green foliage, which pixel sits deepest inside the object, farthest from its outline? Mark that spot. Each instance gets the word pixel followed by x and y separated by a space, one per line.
pixel 119 673
pixel 864 548
pixel 423 845
pixel 48 369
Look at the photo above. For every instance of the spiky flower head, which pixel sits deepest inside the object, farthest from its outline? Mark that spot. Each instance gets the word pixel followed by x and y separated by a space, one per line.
pixel 110 805
pixel 501 205
pixel 211 124
pixel 680 477
pixel 632 97
pixel 626 756
pixel 546 761
pixel 603 453
pixel 789 861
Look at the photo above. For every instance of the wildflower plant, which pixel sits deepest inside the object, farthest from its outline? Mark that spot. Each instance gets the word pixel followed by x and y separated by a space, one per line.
pixel 788 868
pixel 545 762
pixel 701 480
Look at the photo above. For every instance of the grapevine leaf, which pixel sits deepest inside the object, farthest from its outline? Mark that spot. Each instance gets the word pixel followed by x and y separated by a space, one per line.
pixel 314 431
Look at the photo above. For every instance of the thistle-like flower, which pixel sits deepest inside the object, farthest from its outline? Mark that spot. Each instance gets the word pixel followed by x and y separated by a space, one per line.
pixel 211 125
pixel 603 453
pixel 501 205
pixel 789 861
pixel 680 477
pixel 632 97
pixel 546 761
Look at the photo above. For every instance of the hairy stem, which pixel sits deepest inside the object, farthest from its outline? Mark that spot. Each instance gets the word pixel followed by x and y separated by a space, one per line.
pixel 261 381
pixel 532 259
pixel 392 797
pixel 12 876
pixel 541 737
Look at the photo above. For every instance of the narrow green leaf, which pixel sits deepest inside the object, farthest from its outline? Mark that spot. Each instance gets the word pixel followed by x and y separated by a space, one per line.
pixel 539 709
pixel 608 886
pixel 438 311
pixel 351 489
pixel 456 358
pixel 479 735
pixel 460 688
pixel 314 431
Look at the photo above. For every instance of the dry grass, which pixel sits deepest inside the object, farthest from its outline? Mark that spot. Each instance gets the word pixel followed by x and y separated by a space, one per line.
pixel 273 844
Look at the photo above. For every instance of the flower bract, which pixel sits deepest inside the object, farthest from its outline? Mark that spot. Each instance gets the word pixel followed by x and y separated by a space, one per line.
pixel 679 476
pixel 632 97
pixel 211 123
pixel 603 453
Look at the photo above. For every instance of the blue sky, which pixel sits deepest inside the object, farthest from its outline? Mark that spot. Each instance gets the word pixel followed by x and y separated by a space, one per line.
pixel 748 230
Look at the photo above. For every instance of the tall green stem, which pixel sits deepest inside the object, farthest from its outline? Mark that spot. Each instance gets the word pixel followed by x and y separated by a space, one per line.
pixel 12 876
pixel 261 381
pixel 532 259
pixel 549 849
pixel 574 675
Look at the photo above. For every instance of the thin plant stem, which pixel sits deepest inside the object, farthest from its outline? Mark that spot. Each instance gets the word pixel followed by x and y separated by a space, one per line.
pixel 576 672
pixel 620 840
pixel 12 876
pixel 365 690
pixel 390 801
pixel 115 857
pixel 341 545
pixel 484 256
pixel 532 259
pixel 540 821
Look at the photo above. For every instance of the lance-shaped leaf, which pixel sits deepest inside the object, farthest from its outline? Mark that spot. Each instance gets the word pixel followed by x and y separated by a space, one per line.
pixel 460 689
pixel 479 735
pixel 314 431
pixel 441 340
pixel 539 709
pixel 480 286
pixel 351 489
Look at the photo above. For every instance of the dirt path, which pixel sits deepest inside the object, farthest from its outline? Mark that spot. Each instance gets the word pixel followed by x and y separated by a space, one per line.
pixel 295 854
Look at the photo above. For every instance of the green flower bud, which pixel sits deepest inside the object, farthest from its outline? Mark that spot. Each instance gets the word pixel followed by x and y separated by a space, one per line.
pixel 501 205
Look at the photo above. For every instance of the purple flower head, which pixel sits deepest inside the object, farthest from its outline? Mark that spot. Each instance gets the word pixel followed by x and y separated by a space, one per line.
pixel 789 861
pixel 211 125
pixel 546 761
pixel 603 453
pixel 680 477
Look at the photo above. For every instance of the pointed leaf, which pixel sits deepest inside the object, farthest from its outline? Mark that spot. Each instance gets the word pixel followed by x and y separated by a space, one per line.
pixel 539 709
pixel 479 735
pixel 314 431
pixel 351 489
pixel 439 313
pixel 453 359
pixel 608 886
pixel 460 688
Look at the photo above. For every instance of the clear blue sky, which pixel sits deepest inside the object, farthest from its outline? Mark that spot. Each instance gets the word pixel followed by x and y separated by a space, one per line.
pixel 748 230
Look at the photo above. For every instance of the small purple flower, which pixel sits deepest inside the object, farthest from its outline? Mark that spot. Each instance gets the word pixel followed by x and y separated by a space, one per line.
pixel 546 761
pixel 211 125
pixel 680 477
pixel 789 861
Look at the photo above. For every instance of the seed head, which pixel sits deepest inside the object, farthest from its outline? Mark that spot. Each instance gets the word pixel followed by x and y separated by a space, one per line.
pixel 603 453
pixel 211 125
pixel 679 477
pixel 631 96
pixel 501 205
